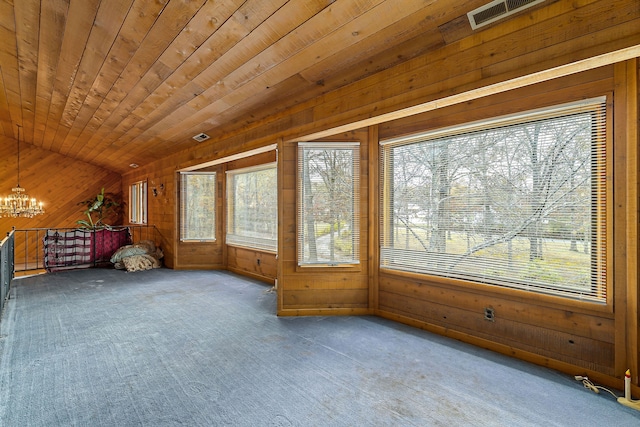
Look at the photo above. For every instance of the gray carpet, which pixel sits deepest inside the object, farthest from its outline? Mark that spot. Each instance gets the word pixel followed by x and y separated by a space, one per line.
pixel 165 348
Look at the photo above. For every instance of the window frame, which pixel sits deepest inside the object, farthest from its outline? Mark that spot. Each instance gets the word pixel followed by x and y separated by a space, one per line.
pixel 183 208
pixel 138 202
pixel 603 265
pixel 234 239
pixel 354 263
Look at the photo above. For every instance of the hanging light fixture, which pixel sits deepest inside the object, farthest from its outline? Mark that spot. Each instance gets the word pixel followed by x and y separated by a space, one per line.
pixel 18 203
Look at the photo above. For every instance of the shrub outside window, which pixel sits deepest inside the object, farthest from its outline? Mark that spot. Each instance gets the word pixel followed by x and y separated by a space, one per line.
pixel 518 201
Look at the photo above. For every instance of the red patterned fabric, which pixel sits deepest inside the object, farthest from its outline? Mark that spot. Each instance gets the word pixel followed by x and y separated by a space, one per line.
pixel 80 248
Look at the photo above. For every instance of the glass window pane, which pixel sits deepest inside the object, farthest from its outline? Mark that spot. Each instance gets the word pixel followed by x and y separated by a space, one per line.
pixel 252 207
pixel 520 204
pixel 138 203
pixel 198 206
pixel 328 217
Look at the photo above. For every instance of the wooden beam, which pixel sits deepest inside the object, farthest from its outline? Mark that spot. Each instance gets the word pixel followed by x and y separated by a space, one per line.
pixel 492 89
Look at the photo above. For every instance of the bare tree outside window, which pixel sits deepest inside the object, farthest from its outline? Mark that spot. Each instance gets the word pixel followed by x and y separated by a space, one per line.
pixel 252 207
pixel 328 212
pixel 198 206
pixel 504 204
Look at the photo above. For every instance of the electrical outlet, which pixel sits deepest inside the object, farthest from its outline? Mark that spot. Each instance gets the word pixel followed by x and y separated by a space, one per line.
pixel 489 314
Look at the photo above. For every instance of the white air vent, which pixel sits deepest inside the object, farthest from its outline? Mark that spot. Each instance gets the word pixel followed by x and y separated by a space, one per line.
pixel 201 137
pixel 496 10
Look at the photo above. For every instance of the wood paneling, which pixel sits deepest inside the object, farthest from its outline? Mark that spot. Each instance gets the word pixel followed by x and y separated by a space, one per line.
pixel 569 336
pixel 60 182
pixel 320 288
pixel 564 335
pixel 253 263
pixel 128 81
pixel 587 336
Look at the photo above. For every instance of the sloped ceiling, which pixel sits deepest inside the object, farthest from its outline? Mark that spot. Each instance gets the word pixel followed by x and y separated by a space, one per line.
pixel 116 82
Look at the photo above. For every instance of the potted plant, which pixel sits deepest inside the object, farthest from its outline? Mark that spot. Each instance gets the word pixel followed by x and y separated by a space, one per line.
pixel 100 208
pixel 93 242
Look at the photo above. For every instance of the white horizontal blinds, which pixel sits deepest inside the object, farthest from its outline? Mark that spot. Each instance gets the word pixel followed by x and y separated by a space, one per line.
pixel 138 203
pixel 252 207
pixel 134 214
pixel 328 203
pixel 197 206
pixel 520 203
pixel 143 202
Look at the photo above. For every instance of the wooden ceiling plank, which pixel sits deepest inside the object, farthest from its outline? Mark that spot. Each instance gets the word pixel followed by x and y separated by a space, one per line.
pixel 53 17
pixel 233 63
pixel 177 91
pixel 209 18
pixel 496 49
pixel 420 27
pixel 77 30
pixel 167 28
pixel 9 77
pixel 137 24
pixel 288 93
pixel 105 29
pixel 5 116
pixel 279 23
pixel 6 76
pixel 341 18
pixel 7 20
pixel 232 30
pixel 293 60
pixel 373 91
pixel 27 15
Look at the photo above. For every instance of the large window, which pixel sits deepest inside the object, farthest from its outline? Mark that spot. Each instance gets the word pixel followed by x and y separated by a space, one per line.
pixel 138 203
pixel 328 203
pixel 252 207
pixel 518 201
pixel 198 206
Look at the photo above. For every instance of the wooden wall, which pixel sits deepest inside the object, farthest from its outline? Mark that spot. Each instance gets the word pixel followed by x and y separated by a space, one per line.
pixel 554 331
pixel 261 265
pixel 60 182
pixel 597 340
pixel 508 67
pixel 314 289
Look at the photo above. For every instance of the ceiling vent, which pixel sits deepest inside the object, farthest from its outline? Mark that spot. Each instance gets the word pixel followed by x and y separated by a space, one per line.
pixel 496 10
pixel 201 137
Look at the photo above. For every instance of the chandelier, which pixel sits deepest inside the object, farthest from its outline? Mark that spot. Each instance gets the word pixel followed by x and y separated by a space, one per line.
pixel 18 203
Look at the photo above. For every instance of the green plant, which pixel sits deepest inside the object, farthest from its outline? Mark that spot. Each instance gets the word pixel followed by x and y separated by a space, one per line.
pixel 99 208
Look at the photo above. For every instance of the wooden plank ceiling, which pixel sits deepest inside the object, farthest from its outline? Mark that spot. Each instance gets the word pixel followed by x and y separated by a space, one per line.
pixel 115 82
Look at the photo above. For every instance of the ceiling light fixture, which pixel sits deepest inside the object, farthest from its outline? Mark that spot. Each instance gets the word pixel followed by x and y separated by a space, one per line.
pixel 18 203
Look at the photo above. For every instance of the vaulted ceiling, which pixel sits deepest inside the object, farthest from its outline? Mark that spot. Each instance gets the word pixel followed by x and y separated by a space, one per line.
pixel 115 82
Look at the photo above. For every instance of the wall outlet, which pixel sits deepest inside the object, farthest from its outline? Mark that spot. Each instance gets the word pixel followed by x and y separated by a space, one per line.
pixel 489 314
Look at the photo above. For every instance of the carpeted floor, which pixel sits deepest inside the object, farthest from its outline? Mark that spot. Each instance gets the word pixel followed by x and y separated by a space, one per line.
pixel 204 348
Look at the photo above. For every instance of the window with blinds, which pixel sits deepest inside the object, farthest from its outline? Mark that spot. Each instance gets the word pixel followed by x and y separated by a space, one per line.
pixel 252 207
pixel 518 201
pixel 328 203
pixel 197 206
pixel 138 203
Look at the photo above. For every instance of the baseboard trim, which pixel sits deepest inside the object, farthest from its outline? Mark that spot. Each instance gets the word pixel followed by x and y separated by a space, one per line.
pixel 324 312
